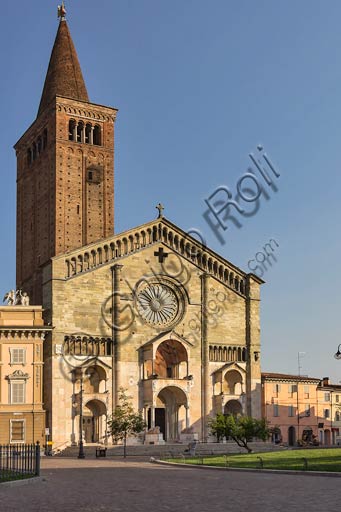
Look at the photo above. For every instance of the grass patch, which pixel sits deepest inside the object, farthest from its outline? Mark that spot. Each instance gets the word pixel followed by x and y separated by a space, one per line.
pixel 11 476
pixel 317 460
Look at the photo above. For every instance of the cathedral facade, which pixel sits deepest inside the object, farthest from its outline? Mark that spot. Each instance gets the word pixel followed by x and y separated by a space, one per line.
pixel 150 310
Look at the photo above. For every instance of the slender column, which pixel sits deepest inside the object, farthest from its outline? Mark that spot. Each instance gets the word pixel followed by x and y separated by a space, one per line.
pixel 116 333
pixel 74 133
pixel 91 135
pixel 152 416
pixel 205 376
pixel 187 416
pixel 83 134
pixel 81 443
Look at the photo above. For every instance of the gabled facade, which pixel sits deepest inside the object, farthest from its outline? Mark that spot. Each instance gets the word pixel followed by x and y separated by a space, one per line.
pixel 184 324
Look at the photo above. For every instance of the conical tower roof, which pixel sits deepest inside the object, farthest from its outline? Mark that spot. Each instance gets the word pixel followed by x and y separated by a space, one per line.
pixel 64 75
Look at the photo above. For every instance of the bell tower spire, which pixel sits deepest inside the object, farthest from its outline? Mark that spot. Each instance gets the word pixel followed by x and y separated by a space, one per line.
pixel 64 75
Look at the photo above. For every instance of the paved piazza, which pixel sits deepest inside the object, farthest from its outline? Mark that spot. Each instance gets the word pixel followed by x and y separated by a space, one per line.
pixel 107 485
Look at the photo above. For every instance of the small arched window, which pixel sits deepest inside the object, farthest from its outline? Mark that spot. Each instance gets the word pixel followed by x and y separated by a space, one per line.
pixel 97 136
pixel 80 132
pixel 72 130
pixel 88 134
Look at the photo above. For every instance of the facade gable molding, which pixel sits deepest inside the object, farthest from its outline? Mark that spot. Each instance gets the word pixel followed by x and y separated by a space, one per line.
pixel 159 232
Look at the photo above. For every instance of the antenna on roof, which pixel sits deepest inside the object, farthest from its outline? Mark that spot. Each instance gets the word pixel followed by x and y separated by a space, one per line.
pixel 299 355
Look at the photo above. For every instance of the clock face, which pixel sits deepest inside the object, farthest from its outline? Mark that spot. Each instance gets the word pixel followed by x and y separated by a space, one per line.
pixel 157 304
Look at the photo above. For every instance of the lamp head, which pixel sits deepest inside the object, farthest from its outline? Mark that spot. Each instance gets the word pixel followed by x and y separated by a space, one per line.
pixel 338 353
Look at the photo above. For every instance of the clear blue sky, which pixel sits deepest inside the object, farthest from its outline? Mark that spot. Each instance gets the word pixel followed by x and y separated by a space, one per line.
pixel 198 85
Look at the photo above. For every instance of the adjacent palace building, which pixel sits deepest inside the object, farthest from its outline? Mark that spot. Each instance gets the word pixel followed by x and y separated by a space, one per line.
pixel 149 310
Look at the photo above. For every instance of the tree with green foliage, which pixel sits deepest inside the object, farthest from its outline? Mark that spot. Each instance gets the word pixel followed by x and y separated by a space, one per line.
pixel 242 429
pixel 125 421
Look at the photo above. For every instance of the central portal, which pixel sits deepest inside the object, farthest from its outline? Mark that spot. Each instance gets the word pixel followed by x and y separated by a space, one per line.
pixel 171 412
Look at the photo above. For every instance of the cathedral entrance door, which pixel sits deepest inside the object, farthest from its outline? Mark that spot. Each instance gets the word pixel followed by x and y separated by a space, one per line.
pixel 88 428
pixel 160 420
pixel 94 421
pixel 174 401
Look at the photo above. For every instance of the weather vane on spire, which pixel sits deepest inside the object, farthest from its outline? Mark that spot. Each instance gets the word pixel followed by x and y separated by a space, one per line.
pixel 61 11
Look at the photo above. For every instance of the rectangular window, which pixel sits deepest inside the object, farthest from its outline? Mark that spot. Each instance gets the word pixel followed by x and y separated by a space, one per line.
pixel 326 413
pixel 17 392
pixel 275 410
pixel 307 410
pixel 18 355
pixel 336 398
pixel 17 431
pixel 276 389
pixel 291 411
pixel 306 391
pixel 327 397
pixel 292 389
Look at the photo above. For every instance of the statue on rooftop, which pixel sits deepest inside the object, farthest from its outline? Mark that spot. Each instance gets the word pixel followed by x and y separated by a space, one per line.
pixel 10 298
pixel 17 298
pixel 160 207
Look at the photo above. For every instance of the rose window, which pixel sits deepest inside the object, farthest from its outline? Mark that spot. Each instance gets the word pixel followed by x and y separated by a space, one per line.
pixel 157 304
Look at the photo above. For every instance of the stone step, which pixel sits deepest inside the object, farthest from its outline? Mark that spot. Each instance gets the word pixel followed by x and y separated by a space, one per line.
pixel 168 450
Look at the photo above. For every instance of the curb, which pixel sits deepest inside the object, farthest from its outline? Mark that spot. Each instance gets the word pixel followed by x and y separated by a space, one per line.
pixel 25 481
pixel 249 470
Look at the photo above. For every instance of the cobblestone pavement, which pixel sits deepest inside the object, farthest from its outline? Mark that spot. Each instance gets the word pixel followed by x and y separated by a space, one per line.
pixel 135 485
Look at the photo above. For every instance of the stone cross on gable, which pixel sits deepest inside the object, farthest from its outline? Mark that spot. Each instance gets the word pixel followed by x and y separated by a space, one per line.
pixel 161 255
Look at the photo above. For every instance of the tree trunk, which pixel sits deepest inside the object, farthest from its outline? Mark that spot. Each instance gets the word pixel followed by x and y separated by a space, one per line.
pixel 242 444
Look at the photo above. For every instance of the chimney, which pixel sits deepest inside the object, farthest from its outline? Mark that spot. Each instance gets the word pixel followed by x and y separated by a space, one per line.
pixel 325 381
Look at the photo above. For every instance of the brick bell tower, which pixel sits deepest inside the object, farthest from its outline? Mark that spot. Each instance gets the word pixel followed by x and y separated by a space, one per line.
pixel 65 169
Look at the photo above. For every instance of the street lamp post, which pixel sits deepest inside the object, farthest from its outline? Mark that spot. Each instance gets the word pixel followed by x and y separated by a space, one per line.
pixel 81 454
pixel 299 355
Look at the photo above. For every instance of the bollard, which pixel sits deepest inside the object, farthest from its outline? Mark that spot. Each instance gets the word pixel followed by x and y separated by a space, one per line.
pixel 37 454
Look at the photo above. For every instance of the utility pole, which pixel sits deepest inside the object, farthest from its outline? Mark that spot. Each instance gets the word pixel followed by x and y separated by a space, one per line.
pixel 299 355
